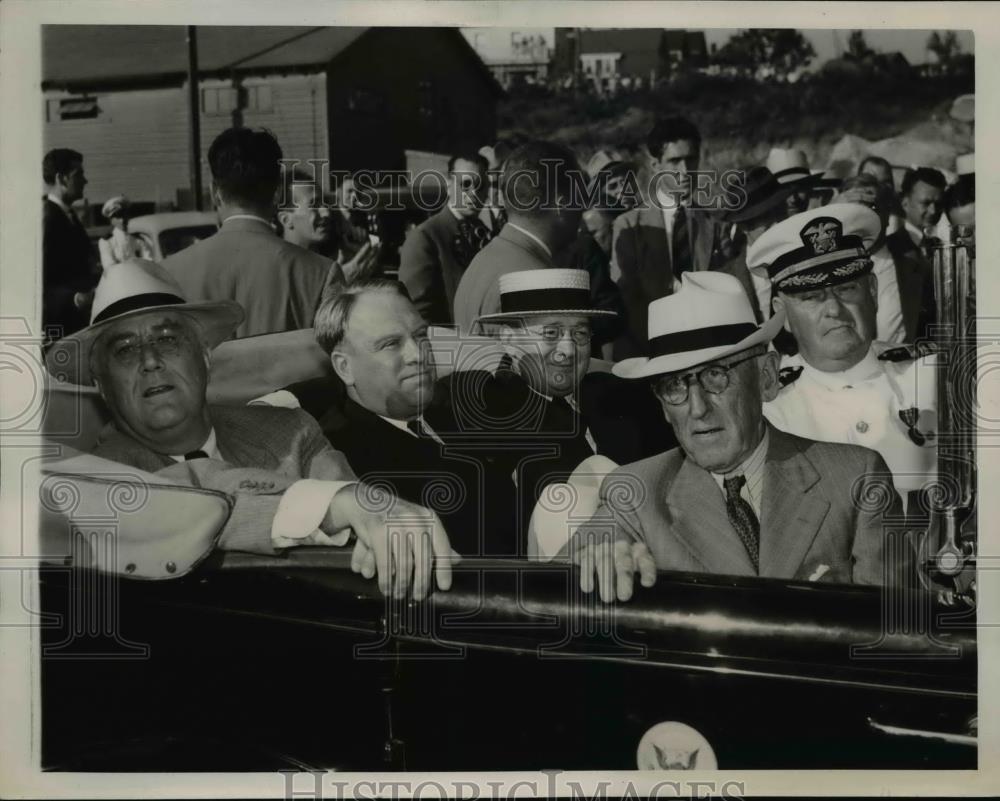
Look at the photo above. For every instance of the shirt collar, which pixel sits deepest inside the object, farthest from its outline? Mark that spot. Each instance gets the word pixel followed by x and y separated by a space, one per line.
pixel 530 235
pixel 59 202
pixel 750 466
pixel 570 399
pixel 210 447
pixel 915 233
pixel 248 217
pixel 864 370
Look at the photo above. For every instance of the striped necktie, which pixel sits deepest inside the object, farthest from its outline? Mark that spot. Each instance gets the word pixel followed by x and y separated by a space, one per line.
pixel 743 518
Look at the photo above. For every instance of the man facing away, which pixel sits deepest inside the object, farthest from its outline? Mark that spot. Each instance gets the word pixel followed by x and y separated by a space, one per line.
pixel 278 284
pixel 739 496
pixel 148 351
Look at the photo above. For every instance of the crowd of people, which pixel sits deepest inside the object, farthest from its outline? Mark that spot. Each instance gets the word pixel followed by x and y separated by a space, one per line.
pixel 739 353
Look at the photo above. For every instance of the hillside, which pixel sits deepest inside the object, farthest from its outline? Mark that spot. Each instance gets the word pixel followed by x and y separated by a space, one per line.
pixel 741 119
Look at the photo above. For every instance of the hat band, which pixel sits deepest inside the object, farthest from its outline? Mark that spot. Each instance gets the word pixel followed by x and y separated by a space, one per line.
pixel 791 171
pixel 535 300
pixel 715 336
pixel 816 261
pixel 136 302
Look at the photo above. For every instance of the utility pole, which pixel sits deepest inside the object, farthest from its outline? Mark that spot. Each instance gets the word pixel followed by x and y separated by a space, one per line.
pixel 194 109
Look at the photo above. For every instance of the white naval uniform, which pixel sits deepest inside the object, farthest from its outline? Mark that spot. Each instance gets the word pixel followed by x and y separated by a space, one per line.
pixel 861 406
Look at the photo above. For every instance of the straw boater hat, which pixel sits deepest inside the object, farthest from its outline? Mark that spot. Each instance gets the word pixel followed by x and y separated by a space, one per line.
pixel 114 206
pixel 792 166
pixel 135 287
pixel 709 317
pixel 550 291
pixel 817 248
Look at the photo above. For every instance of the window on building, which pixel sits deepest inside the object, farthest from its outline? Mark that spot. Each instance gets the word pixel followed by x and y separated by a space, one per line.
pixel 72 108
pixel 218 100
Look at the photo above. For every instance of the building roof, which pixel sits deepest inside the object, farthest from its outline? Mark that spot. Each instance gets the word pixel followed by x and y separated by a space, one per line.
pixel 102 56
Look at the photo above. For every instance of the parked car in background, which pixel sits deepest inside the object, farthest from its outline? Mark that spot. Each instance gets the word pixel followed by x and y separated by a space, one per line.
pixel 165 233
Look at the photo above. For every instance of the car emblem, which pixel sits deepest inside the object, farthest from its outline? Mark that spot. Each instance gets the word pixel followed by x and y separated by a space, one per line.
pixel 672 745
pixel 822 234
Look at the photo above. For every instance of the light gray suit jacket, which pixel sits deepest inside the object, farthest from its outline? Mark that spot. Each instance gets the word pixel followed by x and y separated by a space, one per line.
pixel 265 449
pixel 823 508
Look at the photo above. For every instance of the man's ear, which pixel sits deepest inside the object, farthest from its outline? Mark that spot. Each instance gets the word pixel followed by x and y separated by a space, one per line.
pixel 769 383
pixel 778 304
pixel 342 367
pixel 284 218
pixel 873 287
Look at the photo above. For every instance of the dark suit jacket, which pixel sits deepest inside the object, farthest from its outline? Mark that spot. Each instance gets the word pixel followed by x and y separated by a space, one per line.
pixel 914 277
pixel 585 254
pixel 278 284
pixel 809 517
pixel 265 449
pixel 474 499
pixel 431 267
pixel 642 256
pixel 497 415
pixel 66 260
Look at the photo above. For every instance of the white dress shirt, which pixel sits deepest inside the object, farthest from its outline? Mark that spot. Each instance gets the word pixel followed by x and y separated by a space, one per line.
pixel 889 319
pixel 530 235
pixel 752 469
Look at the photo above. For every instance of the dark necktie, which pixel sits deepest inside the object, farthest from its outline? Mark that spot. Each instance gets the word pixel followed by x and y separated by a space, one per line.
pixel 743 518
pixel 680 256
pixel 199 454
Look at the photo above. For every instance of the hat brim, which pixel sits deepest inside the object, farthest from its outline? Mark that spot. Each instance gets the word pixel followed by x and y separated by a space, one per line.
pixel 758 208
pixel 641 367
pixel 500 317
pixel 69 358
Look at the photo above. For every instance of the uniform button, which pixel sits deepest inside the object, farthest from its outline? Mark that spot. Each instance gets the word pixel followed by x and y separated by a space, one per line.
pixel 862 427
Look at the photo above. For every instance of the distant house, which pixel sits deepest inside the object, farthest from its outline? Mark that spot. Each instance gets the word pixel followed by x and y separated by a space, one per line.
pixel 526 61
pixel 609 57
pixel 360 97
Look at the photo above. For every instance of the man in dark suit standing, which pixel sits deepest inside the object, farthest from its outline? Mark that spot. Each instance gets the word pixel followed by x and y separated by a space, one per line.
pixel 67 280
pixel 655 243
pixel 437 253
pixel 739 497
pixel 278 284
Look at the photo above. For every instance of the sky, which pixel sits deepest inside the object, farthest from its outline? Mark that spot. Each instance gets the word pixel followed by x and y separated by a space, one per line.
pixel 495 42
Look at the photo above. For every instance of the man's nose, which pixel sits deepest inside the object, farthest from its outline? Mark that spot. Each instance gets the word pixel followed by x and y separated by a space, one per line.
pixel 149 357
pixel 697 402
pixel 565 347
pixel 411 351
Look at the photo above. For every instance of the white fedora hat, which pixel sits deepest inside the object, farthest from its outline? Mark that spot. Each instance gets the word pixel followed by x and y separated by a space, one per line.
pixel 709 317
pixel 553 290
pixel 135 287
pixel 965 164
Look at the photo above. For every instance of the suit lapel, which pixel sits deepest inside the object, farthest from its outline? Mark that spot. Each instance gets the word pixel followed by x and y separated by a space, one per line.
pixel 910 291
pixel 792 510
pixel 698 511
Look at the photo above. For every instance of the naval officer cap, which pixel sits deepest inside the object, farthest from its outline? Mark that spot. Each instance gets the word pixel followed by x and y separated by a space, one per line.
pixel 817 248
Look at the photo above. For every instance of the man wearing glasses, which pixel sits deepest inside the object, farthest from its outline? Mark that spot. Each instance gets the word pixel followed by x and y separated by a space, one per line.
pixel 738 497
pixel 546 410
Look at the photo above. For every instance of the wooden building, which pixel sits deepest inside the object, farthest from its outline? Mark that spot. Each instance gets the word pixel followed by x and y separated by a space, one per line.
pixel 358 97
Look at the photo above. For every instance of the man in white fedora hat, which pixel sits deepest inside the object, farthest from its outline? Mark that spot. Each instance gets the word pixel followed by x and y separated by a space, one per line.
pixel 843 385
pixel 738 496
pixel 148 351
pixel 791 167
pixel 548 412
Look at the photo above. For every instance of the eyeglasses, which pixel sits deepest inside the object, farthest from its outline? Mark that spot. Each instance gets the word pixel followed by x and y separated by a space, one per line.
pixel 714 379
pixel 128 350
pixel 550 334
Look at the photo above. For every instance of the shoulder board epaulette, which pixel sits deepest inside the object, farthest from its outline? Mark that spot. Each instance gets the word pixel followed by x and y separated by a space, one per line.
pixel 905 353
pixel 789 375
